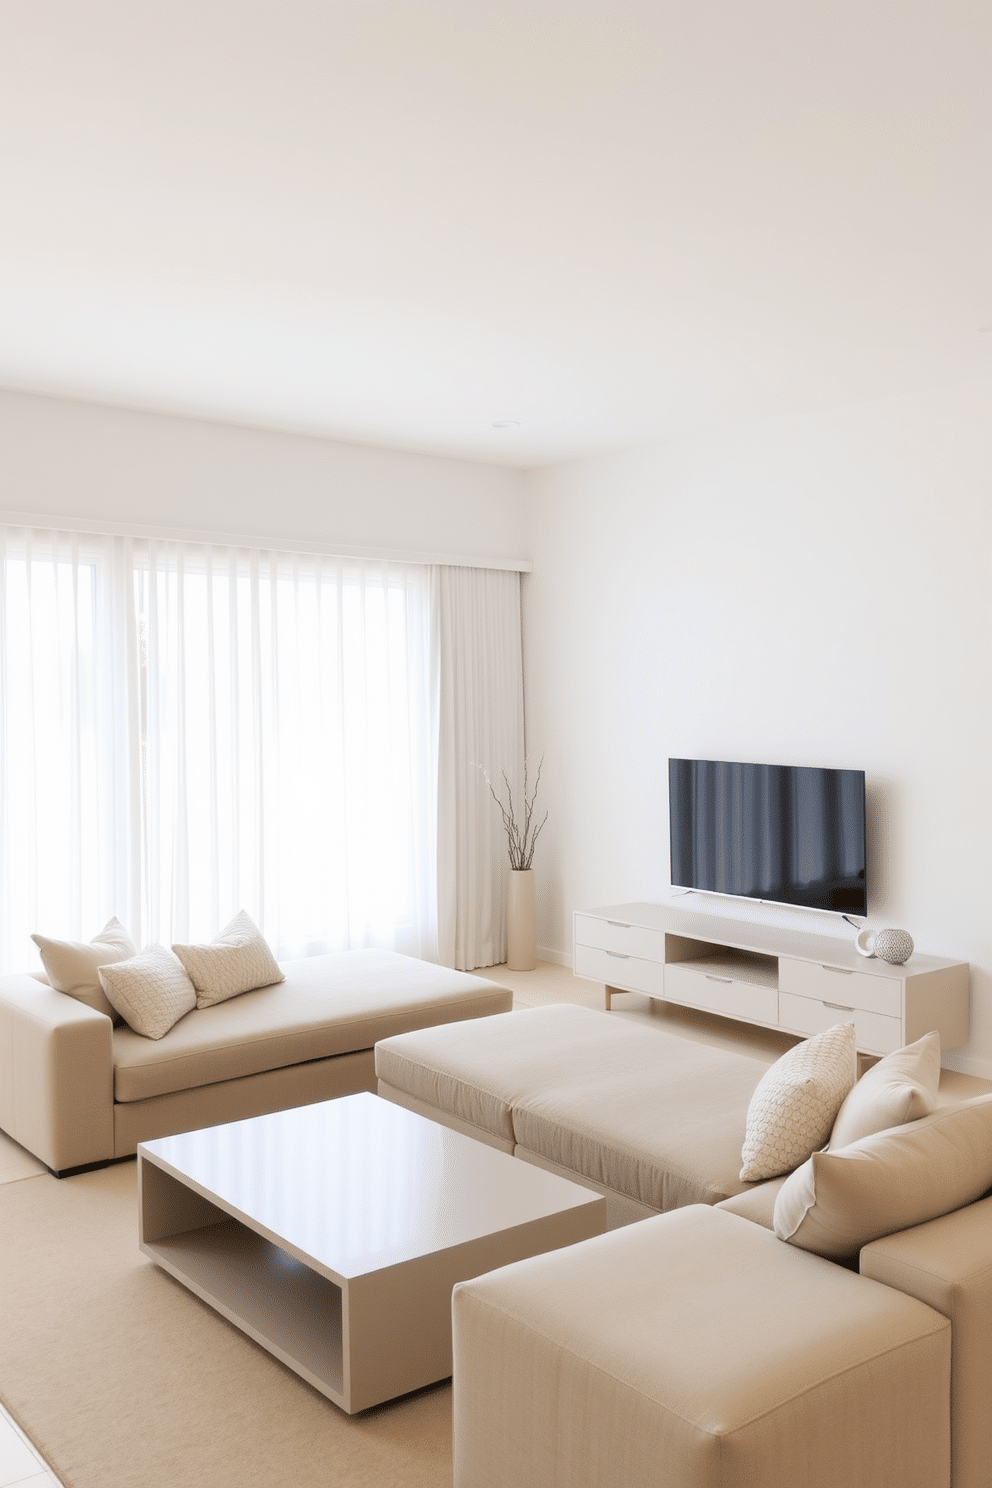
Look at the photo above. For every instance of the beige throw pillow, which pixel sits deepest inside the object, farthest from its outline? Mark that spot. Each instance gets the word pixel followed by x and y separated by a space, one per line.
pixel 151 991
pixel 73 966
pixel 839 1201
pixel 796 1102
pixel 237 960
pixel 901 1087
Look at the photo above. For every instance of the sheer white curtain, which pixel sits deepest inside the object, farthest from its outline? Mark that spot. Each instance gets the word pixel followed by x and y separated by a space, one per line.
pixel 66 781
pixel 479 691
pixel 187 730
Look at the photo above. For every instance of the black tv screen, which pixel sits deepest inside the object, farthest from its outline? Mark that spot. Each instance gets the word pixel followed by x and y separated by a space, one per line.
pixel 787 833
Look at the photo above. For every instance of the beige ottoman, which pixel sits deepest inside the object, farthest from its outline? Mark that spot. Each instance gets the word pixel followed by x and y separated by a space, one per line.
pixel 695 1350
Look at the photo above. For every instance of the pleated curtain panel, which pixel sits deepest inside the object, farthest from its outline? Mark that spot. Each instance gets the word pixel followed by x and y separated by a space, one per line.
pixel 187 730
pixel 479 691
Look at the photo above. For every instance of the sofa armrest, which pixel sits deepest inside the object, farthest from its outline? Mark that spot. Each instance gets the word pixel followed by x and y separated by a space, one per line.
pixel 56 1074
pixel 947 1263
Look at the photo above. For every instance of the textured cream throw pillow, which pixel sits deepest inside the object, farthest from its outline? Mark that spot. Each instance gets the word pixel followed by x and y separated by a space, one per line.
pixel 73 966
pixel 839 1201
pixel 151 991
pixel 901 1087
pixel 237 960
pixel 796 1102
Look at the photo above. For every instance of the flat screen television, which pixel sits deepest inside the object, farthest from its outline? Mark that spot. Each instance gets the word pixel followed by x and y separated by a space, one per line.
pixel 790 834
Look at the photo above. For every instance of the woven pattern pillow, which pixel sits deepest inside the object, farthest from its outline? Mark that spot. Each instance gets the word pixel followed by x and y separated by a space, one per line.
pixel 839 1201
pixel 796 1102
pixel 73 966
pixel 237 960
pixel 151 991
pixel 901 1087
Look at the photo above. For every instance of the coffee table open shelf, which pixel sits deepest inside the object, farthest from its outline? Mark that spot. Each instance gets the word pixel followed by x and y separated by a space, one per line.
pixel 333 1234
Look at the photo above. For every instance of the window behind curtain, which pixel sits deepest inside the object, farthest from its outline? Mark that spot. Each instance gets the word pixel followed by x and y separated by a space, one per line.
pixel 190 730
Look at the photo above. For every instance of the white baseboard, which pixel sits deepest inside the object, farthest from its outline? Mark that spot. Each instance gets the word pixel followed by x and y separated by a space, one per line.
pixel 560 958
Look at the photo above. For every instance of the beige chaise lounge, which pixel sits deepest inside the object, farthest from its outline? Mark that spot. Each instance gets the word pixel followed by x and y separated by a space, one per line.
pixel 75 1090
pixel 697 1349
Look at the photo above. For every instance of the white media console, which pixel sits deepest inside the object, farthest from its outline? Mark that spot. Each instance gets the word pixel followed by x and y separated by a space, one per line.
pixel 798 982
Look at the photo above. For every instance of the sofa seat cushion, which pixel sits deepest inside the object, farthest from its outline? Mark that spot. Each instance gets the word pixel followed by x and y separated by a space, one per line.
pixel 327 1005
pixel 660 1119
pixel 636 1110
pixel 757 1204
pixel 479 1076
pixel 691 1349
pixel 476 1076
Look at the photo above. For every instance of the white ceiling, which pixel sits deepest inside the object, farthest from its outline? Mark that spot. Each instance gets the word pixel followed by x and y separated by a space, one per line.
pixel 399 221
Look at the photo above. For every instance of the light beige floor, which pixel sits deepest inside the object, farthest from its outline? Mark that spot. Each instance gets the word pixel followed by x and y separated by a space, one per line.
pixel 20 1463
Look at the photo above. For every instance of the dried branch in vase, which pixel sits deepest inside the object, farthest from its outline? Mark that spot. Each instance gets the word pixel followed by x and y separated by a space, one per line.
pixel 521 838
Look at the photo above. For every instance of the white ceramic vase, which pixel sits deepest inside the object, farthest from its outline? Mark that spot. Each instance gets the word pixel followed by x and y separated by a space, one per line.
pixel 520 954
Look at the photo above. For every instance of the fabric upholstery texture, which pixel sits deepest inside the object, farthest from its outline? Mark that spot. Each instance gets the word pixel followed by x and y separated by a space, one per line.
pixel 237 1100
pixel 65 1071
pixel 901 1087
pixel 55 1074
pixel 661 1122
pixel 947 1264
pixel 692 1349
pixel 658 1118
pixel 237 960
pixel 477 1076
pixel 794 1107
pixel 151 991
pixel 756 1203
pixel 454 1123
pixel 839 1201
pixel 73 966
pixel 327 1005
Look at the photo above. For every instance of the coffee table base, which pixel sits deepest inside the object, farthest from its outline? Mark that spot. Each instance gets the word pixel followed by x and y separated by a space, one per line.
pixel 359 1339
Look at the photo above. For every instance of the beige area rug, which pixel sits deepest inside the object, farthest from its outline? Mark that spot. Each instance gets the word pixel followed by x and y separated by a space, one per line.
pixel 123 1379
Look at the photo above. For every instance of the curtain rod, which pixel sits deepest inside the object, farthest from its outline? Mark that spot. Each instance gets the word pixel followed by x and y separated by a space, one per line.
pixel 315 546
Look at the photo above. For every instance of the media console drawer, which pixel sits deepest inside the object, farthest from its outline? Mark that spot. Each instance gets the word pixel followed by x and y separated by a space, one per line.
pixel 854 989
pixel 874 1033
pixel 617 969
pixel 616 935
pixel 703 988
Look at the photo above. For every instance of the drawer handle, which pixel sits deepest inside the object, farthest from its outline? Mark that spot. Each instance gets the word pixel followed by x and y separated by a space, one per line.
pixel 711 978
pixel 619 924
pixel 618 955
pixel 838 970
pixel 838 1007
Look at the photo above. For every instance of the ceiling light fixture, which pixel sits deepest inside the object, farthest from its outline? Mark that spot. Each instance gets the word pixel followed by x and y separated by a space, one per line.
pixel 506 423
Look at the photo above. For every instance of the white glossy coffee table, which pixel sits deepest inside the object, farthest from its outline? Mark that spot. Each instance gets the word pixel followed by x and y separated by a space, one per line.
pixel 333 1234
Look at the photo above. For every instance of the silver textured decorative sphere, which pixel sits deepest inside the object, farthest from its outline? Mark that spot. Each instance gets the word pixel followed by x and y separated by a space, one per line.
pixel 893 945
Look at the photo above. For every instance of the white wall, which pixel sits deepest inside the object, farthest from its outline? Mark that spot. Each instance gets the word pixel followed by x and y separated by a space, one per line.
pixel 809 591
pixel 69 459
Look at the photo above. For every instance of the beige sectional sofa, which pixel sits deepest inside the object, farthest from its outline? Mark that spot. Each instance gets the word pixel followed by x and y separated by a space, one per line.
pixel 76 1090
pixel 696 1349
pixel 580 1093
